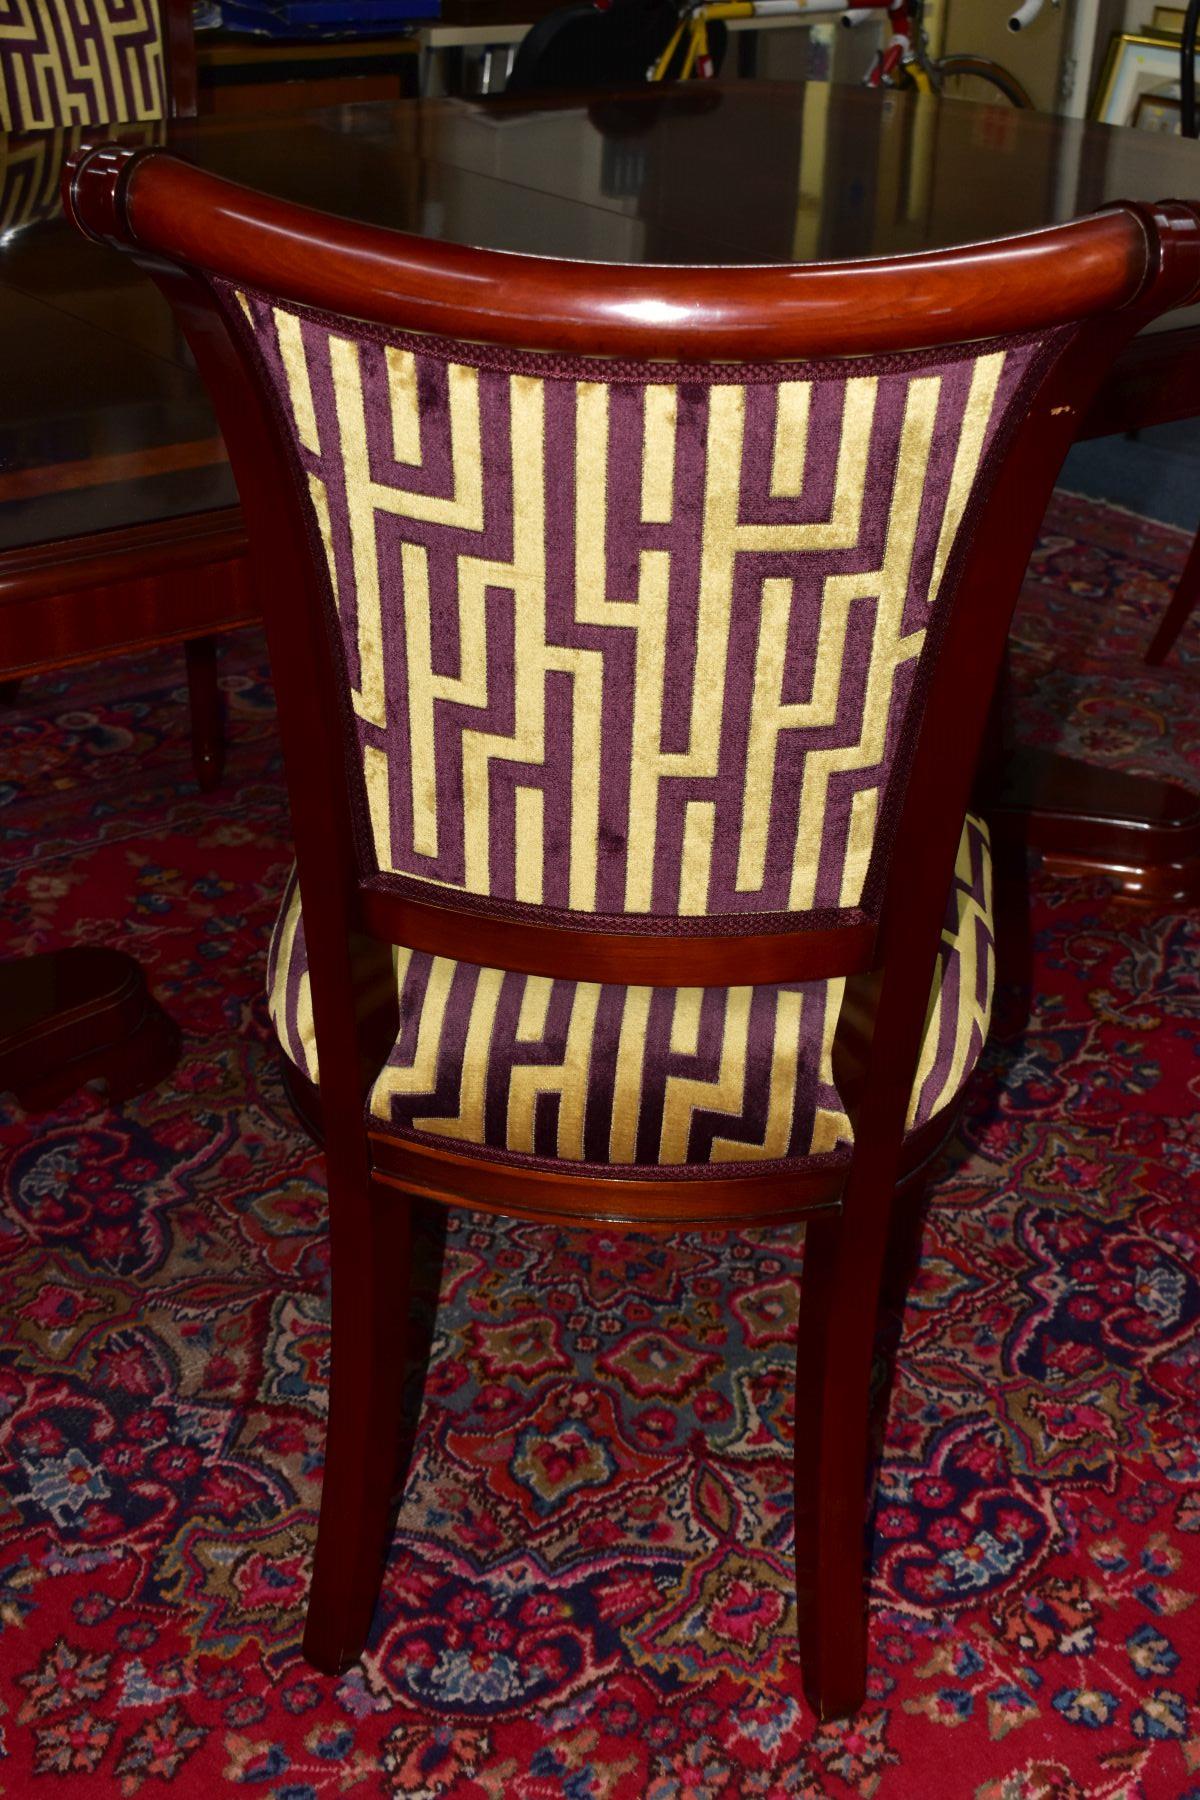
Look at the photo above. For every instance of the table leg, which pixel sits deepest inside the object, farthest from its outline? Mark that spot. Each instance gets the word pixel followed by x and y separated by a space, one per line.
pixel 70 1016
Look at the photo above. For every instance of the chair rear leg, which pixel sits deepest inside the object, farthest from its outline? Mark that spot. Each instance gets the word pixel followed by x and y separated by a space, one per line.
pixel 1180 610
pixel 372 1279
pixel 834 1349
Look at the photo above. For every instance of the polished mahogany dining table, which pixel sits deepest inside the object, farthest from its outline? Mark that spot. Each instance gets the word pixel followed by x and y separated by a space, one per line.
pixel 119 524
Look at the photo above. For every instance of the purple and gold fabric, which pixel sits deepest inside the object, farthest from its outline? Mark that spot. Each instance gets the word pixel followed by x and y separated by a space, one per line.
pixel 522 1065
pixel 80 62
pixel 631 638
pixel 637 641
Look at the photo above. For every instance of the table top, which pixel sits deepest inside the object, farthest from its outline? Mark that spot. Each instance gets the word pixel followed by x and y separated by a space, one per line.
pixel 105 424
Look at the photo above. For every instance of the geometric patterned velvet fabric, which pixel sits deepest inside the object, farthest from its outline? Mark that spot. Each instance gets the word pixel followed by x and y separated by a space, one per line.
pixel 525 1066
pixel 86 62
pixel 630 638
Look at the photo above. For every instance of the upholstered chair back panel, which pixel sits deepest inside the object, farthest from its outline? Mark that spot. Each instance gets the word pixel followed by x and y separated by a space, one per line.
pixel 80 62
pixel 632 639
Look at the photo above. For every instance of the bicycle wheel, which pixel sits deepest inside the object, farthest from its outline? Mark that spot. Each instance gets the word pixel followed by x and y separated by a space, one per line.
pixel 978 78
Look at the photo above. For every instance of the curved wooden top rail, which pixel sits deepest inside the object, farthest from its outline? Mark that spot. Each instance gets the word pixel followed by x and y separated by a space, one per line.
pixel 150 200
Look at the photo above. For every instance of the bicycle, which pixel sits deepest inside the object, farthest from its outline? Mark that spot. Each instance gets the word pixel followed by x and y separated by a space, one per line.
pixel 903 61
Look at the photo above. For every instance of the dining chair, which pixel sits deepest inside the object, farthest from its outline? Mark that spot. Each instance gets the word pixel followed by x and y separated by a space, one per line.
pixel 66 69
pixel 633 631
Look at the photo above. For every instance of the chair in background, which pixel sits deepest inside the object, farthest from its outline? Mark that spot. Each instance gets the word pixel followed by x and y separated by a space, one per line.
pixel 65 70
pixel 633 632
pixel 98 62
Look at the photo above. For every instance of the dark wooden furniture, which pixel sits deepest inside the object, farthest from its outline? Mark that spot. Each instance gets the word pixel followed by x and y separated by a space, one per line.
pixel 71 1016
pixel 1183 605
pixel 1099 279
pixel 111 461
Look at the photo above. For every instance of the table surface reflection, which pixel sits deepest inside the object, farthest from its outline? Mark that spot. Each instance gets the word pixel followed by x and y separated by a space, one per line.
pixel 105 425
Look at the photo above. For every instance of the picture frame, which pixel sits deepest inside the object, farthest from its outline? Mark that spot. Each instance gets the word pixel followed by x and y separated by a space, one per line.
pixel 1160 113
pixel 1137 63
pixel 1167 21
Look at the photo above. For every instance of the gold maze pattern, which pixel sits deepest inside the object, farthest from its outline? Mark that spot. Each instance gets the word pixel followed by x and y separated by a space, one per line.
pixel 641 645
pixel 80 62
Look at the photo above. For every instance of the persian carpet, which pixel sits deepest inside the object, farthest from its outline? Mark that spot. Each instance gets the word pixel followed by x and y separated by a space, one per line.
pixel 589 1591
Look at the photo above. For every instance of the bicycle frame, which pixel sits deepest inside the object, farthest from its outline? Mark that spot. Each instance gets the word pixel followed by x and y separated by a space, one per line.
pixel 904 50
pixel 903 17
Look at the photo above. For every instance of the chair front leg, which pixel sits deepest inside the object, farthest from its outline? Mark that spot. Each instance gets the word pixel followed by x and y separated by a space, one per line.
pixel 372 1283
pixel 1183 603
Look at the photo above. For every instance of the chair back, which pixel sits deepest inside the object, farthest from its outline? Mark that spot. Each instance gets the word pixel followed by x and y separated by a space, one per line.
pixel 635 624
pixel 94 62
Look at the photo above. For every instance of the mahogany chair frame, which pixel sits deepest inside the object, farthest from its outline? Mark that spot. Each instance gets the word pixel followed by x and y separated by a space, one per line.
pixel 1106 275
pixel 1183 605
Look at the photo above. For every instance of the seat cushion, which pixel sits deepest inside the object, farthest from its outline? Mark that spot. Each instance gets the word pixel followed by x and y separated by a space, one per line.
pixel 524 1066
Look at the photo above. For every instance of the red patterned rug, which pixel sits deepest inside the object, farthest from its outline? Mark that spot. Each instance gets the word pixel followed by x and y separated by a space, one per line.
pixel 589 1593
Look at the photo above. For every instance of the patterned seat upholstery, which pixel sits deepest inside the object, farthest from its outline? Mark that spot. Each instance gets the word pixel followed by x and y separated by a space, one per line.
pixel 80 62
pixel 642 642
pixel 558 1069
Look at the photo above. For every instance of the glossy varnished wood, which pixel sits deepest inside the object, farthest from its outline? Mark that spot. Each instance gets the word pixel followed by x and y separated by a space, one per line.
pixel 1090 821
pixel 747 313
pixel 123 590
pixel 593 949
